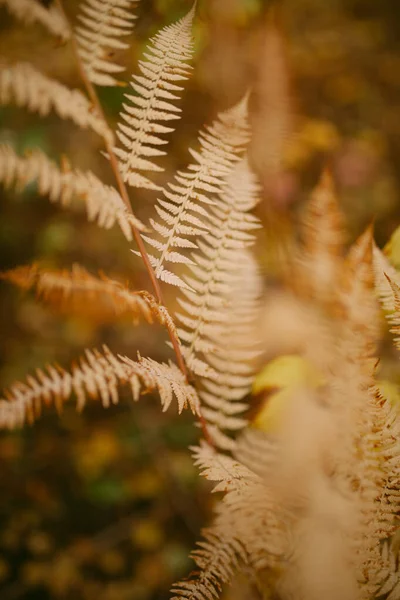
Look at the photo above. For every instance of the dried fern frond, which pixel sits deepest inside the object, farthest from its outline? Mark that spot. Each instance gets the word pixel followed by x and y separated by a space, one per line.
pixel 103 203
pixel 32 11
pixel 165 65
pixel 395 317
pixel 96 376
pixel 236 537
pixel 384 273
pixel 221 308
pixel 181 212
pixel 76 290
pixel 103 23
pixel 25 86
pixel 321 259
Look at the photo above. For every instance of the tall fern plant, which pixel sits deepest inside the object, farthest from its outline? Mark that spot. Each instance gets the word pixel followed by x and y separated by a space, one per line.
pixel 309 510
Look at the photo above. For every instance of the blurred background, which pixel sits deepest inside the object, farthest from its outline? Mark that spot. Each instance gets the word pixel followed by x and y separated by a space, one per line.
pixel 106 504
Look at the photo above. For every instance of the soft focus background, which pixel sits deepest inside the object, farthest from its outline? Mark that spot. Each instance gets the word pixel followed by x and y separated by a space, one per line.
pixel 106 504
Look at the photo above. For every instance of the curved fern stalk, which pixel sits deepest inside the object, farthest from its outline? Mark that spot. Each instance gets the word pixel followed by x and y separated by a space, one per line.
pixel 104 22
pixel 97 376
pixel 154 90
pixel 27 87
pixel 76 290
pixel 182 212
pixel 31 11
pixel 103 203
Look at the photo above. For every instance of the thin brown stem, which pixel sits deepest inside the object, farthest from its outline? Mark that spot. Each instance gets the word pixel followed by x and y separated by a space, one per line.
pixel 123 191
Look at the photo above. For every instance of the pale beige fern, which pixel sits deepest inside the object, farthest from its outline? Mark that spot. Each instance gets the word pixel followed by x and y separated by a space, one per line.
pixel 97 376
pixel 154 90
pixel 25 86
pixel 32 11
pixel 103 23
pixel 185 209
pixel 222 307
pixel 103 203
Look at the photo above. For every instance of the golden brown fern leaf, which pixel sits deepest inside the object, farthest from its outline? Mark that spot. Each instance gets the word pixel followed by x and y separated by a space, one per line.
pixel 31 11
pixel 96 376
pixel 154 90
pixel 103 23
pixel 103 203
pixel 321 259
pixel 78 291
pixel 273 114
pixel 25 86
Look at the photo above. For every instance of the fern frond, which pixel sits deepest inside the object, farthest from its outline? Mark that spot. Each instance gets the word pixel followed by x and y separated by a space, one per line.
pixel 321 260
pixel 384 274
pixel 185 210
pixel 221 468
pixel 221 309
pixel 395 317
pixel 103 23
pixel 103 203
pixel 236 537
pixel 31 11
pixel 25 86
pixel 153 91
pixel 76 288
pixel 96 376
pixel 218 558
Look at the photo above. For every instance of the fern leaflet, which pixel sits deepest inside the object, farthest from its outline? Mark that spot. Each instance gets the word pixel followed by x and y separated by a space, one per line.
pixel 165 65
pixel 104 22
pixel 103 203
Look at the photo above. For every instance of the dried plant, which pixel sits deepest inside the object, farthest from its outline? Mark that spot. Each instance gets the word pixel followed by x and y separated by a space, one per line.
pixel 310 509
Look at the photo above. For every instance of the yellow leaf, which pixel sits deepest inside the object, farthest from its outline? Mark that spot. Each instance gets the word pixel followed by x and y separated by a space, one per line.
pixel 392 248
pixel 285 371
pixel 278 380
pixel 389 390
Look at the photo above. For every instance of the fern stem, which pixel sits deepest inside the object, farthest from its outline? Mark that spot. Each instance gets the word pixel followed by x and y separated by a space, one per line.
pixel 122 190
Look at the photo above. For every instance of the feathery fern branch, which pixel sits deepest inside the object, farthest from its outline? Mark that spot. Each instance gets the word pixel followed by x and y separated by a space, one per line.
pixel 103 203
pixel 181 212
pixel 26 86
pixel 73 289
pixel 104 22
pixel 97 376
pixel 165 64
pixel 31 11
